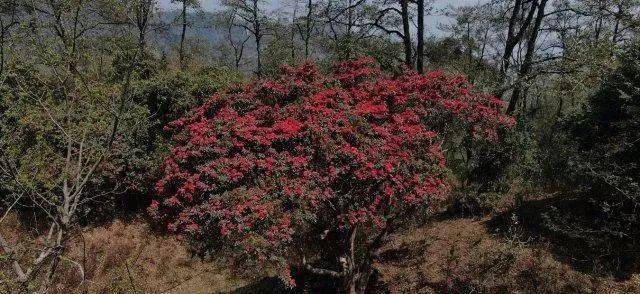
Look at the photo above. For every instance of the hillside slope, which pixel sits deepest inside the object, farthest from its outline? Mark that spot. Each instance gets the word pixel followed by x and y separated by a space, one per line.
pixel 461 255
pixel 450 255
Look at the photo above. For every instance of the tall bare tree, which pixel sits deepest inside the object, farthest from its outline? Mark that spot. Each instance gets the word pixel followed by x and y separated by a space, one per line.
pixel 84 124
pixel 386 21
pixel 522 13
pixel 420 41
pixel 143 12
pixel 525 68
pixel 254 20
pixel 235 35
pixel 184 23
pixel 306 26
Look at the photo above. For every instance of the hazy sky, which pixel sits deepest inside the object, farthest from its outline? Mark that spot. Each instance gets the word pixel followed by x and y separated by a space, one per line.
pixel 431 21
pixel 212 4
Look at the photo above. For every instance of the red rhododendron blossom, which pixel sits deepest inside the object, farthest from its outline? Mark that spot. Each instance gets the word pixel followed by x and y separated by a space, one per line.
pixel 265 164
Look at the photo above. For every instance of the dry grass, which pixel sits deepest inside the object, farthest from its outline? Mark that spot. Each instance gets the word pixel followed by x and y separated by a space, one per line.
pixel 461 256
pixel 126 257
pixel 446 256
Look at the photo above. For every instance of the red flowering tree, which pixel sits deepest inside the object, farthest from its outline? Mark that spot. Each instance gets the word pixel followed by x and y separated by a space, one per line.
pixel 314 171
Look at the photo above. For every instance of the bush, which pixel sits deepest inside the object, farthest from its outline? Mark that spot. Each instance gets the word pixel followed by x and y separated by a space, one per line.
pixel 604 163
pixel 158 99
pixel 315 171
pixel 607 136
pixel 487 173
pixel 33 146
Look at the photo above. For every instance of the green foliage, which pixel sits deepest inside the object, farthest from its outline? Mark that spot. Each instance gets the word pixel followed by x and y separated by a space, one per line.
pixel 607 159
pixel 386 52
pixel 38 115
pixel 168 95
pixel 595 154
pixel 487 173
pixel 163 98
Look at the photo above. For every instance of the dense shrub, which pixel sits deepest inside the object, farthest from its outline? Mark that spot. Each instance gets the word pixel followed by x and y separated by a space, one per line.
pixel 596 153
pixel 278 167
pixel 160 98
pixel 33 146
pixel 490 175
pixel 607 135
pixel 38 116
pixel 607 158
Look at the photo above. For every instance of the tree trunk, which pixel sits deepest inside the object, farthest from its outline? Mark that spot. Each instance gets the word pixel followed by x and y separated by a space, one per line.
pixel 406 32
pixel 1 52
pixel 616 28
pixel 141 41
pixel 509 44
pixel 308 28
pixel 560 105
pixel 58 251
pixel 306 48
pixel 420 47
pixel 357 282
pixel 352 286
pixel 182 35
pixel 353 274
pixel 238 55
pixel 142 20
pixel 525 70
pixel 513 38
pixel 350 23
pixel 258 55
pixel 258 37
pixel 293 32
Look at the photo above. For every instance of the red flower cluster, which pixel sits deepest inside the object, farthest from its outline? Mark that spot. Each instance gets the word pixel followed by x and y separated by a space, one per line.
pixel 257 164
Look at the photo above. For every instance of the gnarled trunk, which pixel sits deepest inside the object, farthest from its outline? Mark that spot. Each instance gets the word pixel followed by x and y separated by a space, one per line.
pixel 406 31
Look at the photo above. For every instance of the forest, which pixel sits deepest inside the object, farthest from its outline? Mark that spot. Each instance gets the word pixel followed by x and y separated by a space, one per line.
pixel 319 146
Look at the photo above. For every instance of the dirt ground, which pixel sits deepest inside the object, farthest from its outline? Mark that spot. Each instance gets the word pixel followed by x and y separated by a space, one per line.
pixel 449 255
pixel 462 255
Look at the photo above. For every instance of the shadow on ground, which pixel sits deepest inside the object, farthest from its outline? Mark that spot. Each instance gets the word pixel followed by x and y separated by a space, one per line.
pixel 577 231
pixel 264 285
pixel 307 283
